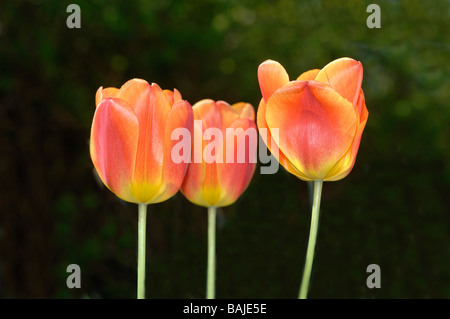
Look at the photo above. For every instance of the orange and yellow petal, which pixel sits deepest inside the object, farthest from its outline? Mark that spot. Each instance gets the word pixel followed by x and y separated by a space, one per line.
pixel 236 172
pixel 219 183
pixel 316 124
pixel 308 75
pixel 271 142
pixel 172 96
pixel 102 94
pixel 173 173
pixel 176 96
pixel 199 173
pixel 113 145
pixel 191 186
pixel 169 96
pixel 244 110
pixel 207 111
pixel 137 93
pixel 149 158
pixel 361 107
pixel 346 164
pixel 344 76
pixel 271 76
pixel 228 114
pixel 201 185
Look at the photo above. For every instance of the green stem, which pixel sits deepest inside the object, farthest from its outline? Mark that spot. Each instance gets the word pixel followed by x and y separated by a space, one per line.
pixel 312 239
pixel 141 251
pixel 211 269
pixel 310 193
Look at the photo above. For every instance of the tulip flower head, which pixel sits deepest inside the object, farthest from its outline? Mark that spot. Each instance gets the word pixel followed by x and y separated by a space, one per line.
pixel 321 117
pixel 131 141
pixel 226 166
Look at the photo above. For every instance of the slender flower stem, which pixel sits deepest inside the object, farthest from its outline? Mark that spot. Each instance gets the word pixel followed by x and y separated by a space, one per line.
pixel 141 251
pixel 312 239
pixel 310 193
pixel 211 269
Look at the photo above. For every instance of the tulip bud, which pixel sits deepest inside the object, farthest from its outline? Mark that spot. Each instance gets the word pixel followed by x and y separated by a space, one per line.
pixel 320 116
pixel 224 160
pixel 131 141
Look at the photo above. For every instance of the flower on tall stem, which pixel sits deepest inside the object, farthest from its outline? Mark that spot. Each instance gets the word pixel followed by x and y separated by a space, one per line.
pixel 130 147
pixel 222 164
pixel 321 117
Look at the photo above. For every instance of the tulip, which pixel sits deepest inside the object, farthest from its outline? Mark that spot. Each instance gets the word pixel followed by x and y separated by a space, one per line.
pixel 131 146
pixel 321 117
pixel 221 181
pixel 131 140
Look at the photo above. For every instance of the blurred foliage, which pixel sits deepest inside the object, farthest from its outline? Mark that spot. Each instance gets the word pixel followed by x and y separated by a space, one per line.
pixel 392 210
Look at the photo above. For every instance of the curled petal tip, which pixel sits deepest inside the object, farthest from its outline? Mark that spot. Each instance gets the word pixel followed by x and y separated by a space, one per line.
pixel 271 76
pixel 344 75
pixel 245 110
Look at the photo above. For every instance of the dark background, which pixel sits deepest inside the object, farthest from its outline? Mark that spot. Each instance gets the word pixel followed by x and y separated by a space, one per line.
pixel 392 210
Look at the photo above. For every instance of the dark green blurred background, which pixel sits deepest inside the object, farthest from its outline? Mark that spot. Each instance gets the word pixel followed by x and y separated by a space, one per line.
pixel 392 210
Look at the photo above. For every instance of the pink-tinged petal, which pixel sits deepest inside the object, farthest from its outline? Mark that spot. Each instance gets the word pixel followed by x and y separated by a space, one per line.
pixel 213 115
pixel 272 145
pixel 173 97
pixel 317 125
pixel 236 171
pixel 149 159
pixel 169 96
pixel 344 76
pixel 193 181
pixel 207 111
pixel 137 93
pixel 191 187
pixel 361 107
pixel 104 93
pixel 227 115
pixel 308 75
pixel 245 110
pixel 267 136
pixel 113 145
pixel 201 185
pixel 220 183
pixel 345 165
pixel 176 96
pixel 271 76
pixel 180 116
pixel 211 189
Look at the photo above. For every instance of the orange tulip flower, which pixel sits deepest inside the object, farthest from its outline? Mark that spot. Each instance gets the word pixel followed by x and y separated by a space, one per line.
pixel 320 116
pixel 219 181
pixel 131 140
pixel 131 148
pixel 222 168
